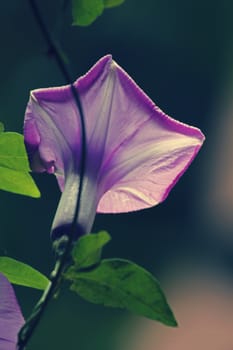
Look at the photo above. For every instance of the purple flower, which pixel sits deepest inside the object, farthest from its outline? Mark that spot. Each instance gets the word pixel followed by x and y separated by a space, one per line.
pixel 135 152
pixel 11 319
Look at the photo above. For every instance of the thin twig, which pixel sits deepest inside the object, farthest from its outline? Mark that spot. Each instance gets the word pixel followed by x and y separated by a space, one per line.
pixel 66 241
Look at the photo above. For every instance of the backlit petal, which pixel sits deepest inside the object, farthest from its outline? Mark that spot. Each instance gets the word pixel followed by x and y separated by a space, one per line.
pixel 135 152
pixel 11 319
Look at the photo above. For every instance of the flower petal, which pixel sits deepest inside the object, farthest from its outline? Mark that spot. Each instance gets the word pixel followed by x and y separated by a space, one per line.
pixel 152 152
pixel 11 319
pixel 135 152
pixel 143 151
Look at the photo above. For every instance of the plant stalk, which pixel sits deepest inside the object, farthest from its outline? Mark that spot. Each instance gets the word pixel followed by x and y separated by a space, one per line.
pixel 65 243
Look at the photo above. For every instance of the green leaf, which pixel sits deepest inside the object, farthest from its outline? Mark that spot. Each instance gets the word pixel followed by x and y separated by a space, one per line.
pixel 14 166
pixel 22 274
pixel 121 283
pixel 86 11
pixel 112 3
pixel 87 251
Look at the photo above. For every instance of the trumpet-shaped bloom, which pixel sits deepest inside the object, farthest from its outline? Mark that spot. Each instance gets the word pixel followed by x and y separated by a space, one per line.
pixel 11 319
pixel 135 152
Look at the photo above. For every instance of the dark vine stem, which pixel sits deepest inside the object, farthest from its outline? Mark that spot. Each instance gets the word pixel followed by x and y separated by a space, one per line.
pixel 64 246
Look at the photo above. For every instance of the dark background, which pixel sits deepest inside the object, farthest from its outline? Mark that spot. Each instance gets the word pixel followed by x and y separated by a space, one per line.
pixel 180 53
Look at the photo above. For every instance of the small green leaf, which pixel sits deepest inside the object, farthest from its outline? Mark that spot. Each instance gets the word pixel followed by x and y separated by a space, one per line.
pixel 112 3
pixel 1 127
pixel 12 152
pixel 121 283
pixel 86 11
pixel 87 251
pixel 22 274
pixel 14 166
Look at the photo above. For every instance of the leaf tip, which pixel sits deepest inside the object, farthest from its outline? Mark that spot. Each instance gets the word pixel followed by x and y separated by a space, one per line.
pixel 169 318
pixel 36 193
pixel 172 322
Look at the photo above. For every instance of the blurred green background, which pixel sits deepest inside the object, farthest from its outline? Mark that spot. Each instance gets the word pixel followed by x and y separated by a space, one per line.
pixel 180 53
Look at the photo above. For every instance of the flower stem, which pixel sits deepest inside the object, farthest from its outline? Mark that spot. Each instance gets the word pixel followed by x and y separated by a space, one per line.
pixel 33 320
pixel 63 246
pixel 63 68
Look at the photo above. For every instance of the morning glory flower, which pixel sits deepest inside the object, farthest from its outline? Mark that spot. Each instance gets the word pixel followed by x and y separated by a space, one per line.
pixel 135 152
pixel 11 319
